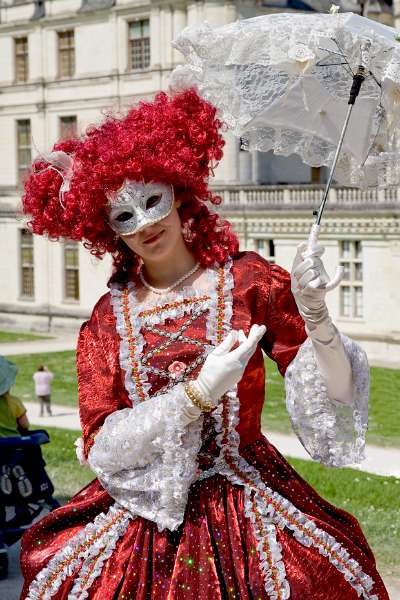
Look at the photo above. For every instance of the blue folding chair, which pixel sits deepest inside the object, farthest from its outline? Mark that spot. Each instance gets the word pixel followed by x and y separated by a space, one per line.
pixel 25 488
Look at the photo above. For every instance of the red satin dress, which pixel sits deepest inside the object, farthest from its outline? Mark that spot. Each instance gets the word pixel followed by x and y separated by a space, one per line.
pixel 257 532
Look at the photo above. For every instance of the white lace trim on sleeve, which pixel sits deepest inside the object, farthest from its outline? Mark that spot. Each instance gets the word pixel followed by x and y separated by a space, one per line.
pixel 146 457
pixel 333 433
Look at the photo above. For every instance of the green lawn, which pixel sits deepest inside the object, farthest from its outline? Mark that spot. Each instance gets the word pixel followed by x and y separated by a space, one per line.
pixel 62 364
pixel 384 422
pixel 67 475
pixel 372 499
pixel 16 336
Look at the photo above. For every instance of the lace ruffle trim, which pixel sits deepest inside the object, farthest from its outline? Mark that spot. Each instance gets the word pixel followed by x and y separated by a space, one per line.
pixel 146 457
pixel 84 555
pixel 80 452
pixel 123 302
pixel 174 308
pixel 219 318
pixel 331 432
pixel 269 550
pixel 181 447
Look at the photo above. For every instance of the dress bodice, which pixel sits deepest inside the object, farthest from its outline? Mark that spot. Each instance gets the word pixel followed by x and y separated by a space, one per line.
pixel 151 347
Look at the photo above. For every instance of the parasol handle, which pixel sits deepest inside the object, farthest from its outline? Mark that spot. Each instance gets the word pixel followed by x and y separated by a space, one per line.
pixel 313 238
pixel 311 246
pixel 358 79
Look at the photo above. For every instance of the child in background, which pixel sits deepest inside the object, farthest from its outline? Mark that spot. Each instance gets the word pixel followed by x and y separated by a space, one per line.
pixel 13 419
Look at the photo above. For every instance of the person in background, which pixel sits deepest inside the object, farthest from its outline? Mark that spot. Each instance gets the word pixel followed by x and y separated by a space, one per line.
pixel 43 379
pixel 13 419
pixel 25 488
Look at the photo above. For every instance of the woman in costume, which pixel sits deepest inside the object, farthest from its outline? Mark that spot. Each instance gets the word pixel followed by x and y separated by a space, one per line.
pixel 191 501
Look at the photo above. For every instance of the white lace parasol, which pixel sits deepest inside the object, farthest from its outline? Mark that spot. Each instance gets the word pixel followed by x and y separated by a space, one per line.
pixel 282 82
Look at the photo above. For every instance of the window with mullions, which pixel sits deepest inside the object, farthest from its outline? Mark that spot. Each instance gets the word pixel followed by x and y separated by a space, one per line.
pixel 27 264
pixel 68 127
pixel 71 271
pixel 24 152
pixel 266 248
pixel 66 53
pixel 139 44
pixel 351 286
pixel 21 59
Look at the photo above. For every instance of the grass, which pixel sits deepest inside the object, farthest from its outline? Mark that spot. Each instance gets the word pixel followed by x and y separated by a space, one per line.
pixel 62 364
pixel 16 336
pixel 384 424
pixel 67 475
pixel 372 499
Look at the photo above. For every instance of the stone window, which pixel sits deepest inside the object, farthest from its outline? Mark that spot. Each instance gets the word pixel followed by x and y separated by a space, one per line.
pixel 266 248
pixel 351 287
pixel 21 59
pixel 68 127
pixel 27 264
pixel 71 271
pixel 66 53
pixel 24 153
pixel 139 44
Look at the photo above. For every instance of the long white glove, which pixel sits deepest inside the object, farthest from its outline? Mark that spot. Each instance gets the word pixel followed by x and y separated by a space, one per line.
pixel 224 367
pixel 308 282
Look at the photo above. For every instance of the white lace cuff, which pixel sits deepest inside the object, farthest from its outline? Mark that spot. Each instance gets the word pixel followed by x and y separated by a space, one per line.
pixel 333 433
pixel 146 457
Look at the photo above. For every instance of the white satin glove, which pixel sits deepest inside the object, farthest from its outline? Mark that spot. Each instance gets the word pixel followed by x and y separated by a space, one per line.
pixel 224 367
pixel 308 283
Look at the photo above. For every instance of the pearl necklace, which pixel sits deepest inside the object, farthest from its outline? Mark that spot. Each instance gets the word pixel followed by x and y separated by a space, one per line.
pixel 161 292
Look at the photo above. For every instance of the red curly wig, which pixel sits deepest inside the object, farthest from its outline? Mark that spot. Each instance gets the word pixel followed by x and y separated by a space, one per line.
pixel 171 140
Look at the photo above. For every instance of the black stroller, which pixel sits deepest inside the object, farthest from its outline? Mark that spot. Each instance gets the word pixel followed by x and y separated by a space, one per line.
pixel 26 492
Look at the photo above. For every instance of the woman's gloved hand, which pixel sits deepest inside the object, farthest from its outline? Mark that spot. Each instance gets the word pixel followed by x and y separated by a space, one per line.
pixel 308 283
pixel 224 367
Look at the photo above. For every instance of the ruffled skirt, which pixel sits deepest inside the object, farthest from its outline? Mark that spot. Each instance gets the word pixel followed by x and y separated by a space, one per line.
pixel 214 555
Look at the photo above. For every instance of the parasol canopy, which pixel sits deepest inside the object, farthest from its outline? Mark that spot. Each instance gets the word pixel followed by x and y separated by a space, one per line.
pixel 281 82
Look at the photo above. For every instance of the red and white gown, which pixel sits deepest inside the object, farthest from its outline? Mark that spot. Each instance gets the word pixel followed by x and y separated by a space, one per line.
pixel 206 510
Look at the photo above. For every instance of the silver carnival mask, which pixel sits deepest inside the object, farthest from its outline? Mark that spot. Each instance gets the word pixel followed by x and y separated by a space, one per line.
pixel 137 205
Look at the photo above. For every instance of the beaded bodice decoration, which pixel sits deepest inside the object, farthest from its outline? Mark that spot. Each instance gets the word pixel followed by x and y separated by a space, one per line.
pixel 174 351
pixel 167 343
pixel 172 339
